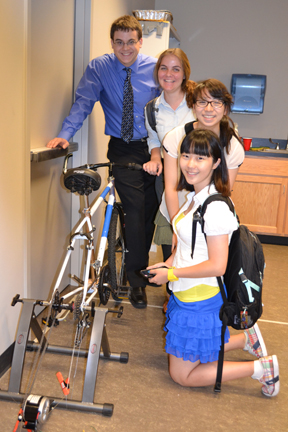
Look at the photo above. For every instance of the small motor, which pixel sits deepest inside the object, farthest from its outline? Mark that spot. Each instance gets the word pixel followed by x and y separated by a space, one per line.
pixel 35 412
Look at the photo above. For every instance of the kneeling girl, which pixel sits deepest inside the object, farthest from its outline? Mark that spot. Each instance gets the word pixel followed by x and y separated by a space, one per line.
pixel 193 325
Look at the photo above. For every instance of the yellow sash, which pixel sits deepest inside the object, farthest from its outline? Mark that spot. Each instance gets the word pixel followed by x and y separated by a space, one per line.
pixel 197 293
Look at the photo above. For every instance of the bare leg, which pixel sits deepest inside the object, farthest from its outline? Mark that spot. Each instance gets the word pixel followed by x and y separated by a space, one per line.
pixel 199 374
pixel 235 342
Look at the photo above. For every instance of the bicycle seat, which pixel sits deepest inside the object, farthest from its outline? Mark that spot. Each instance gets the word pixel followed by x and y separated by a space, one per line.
pixel 82 180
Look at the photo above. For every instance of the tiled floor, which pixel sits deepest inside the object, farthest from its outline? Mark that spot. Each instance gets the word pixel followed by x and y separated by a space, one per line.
pixel 144 396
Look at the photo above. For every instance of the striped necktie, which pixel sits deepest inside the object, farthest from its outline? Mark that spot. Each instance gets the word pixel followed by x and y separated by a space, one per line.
pixel 127 113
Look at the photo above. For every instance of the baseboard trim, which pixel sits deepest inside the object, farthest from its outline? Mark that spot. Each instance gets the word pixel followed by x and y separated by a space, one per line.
pixel 270 239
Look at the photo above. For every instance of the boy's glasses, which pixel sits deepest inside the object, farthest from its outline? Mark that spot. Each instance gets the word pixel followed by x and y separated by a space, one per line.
pixel 215 103
pixel 130 43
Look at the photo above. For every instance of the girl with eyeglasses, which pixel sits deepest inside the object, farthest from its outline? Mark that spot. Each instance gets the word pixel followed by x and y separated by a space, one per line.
pixel 211 104
pixel 192 324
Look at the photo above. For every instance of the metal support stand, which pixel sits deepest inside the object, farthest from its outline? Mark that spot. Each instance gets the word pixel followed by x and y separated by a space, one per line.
pixel 98 339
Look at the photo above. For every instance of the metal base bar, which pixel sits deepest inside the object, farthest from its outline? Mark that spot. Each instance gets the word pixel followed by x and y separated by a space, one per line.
pixel 58 349
pixel 98 348
pixel 104 409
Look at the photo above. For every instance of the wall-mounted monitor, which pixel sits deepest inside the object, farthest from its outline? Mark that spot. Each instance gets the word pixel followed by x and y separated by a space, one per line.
pixel 248 93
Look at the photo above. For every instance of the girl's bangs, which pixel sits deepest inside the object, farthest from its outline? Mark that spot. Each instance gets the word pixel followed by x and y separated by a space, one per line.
pixel 194 146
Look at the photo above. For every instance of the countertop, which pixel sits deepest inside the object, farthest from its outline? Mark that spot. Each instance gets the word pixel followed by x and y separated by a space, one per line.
pixel 260 143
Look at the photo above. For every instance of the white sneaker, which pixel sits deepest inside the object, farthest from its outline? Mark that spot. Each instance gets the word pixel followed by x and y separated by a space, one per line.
pixel 255 344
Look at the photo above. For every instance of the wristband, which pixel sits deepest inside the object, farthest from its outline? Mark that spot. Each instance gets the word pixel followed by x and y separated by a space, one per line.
pixel 171 277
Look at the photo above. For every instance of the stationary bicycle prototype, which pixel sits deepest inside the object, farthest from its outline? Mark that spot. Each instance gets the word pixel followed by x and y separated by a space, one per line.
pixel 109 276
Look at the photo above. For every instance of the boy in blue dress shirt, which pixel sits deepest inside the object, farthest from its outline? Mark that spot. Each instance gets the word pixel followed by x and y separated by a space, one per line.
pixel 103 81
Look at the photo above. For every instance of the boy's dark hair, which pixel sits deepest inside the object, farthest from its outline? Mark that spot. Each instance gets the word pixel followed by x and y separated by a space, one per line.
pixel 126 23
pixel 217 90
pixel 206 143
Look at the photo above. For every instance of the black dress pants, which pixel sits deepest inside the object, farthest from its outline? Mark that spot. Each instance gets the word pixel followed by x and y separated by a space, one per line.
pixel 137 193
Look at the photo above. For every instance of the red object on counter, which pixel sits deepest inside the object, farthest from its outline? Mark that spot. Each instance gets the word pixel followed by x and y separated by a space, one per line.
pixel 247 143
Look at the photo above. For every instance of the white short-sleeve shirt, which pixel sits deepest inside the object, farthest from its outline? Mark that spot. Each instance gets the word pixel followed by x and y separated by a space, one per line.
pixel 218 220
pixel 174 138
pixel 172 142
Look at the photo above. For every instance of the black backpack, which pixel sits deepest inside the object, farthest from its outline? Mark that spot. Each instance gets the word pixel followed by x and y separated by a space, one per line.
pixel 150 112
pixel 243 278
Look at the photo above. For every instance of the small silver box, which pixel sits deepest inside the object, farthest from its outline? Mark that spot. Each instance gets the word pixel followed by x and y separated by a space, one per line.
pixel 156 15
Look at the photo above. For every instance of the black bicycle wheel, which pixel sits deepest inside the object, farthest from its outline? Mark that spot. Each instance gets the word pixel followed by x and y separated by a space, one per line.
pixel 103 289
pixel 116 254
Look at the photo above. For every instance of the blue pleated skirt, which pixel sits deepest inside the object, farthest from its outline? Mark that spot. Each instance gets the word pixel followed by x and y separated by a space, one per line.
pixel 194 329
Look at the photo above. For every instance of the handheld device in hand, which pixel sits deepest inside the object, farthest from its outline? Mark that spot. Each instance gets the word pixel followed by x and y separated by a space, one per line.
pixel 147 274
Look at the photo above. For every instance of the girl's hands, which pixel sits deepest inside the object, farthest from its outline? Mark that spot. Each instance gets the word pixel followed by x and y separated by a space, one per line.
pixel 153 167
pixel 161 274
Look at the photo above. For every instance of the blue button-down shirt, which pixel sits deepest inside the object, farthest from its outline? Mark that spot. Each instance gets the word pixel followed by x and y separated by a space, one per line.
pixel 103 81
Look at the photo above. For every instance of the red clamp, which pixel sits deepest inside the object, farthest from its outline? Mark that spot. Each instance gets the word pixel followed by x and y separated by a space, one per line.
pixel 65 385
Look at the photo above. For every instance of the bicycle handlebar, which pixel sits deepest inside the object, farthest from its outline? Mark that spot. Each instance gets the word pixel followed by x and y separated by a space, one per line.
pixel 131 165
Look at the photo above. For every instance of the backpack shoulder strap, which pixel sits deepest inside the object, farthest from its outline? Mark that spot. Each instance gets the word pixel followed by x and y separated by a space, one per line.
pixel 200 218
pixel 199 214
pixel 216 197
pixel 150 112
pixel 196 218
pixel 188 127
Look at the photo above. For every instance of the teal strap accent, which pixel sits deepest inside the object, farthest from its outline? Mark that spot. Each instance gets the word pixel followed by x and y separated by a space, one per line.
pixel 249 285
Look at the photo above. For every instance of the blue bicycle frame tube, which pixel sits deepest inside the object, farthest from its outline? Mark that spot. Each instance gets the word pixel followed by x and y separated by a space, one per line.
pixel 103 241
pixel 108 215
pixel 101 197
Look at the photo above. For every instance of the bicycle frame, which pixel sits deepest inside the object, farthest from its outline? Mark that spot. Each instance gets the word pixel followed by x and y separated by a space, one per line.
pixel 88 236
pixel 88 179
pixel 89 171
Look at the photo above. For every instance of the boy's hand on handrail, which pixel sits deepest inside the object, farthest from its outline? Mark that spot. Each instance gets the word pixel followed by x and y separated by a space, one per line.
pixel 58 142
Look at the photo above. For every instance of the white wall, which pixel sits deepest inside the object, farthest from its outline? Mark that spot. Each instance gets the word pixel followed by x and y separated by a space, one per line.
pixel 36 48
pixel 51 28
pixel 14 173
pixel 222 37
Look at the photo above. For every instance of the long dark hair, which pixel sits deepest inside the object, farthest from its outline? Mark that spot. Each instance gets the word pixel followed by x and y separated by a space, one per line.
pixel 204 142
pixel 217 90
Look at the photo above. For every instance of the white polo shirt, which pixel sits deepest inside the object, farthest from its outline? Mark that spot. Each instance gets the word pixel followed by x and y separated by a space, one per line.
pixel 172 143
pixel 218 220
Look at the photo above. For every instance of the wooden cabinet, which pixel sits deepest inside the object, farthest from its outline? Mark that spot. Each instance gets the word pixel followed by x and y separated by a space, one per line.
pixel 260 195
